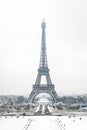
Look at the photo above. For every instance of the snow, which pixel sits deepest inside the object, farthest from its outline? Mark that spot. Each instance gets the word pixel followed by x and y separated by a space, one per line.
pixel 43 123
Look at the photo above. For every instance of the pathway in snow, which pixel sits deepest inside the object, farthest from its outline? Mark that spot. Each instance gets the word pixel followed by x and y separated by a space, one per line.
pixel 60 124
pixel 43 123
pixel 27 124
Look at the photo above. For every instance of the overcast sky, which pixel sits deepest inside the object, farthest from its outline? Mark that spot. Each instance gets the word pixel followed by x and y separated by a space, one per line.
pixel 20 42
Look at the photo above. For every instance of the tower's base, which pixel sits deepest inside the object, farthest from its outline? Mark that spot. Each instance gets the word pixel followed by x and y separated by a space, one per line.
pixel 43 89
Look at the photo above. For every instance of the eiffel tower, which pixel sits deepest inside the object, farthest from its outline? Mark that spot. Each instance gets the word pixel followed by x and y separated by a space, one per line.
pixel 43 71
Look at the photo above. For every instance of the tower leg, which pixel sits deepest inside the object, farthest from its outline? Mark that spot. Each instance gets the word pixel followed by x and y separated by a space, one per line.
pixel 32 96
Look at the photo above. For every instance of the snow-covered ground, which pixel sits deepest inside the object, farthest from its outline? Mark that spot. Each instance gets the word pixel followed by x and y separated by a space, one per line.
pixel 43 123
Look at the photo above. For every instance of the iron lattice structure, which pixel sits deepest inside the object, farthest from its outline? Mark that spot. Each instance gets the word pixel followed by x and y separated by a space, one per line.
pixel 43 71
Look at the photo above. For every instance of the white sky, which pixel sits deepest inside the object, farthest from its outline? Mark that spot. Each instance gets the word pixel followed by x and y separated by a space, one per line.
pixel 20 42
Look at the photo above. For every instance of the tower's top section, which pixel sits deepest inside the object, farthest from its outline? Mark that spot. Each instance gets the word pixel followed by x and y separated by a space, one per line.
pixel 43 56
pixel 43 25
